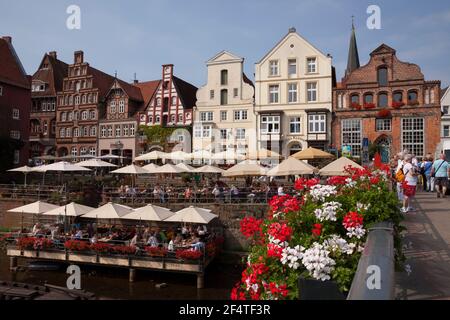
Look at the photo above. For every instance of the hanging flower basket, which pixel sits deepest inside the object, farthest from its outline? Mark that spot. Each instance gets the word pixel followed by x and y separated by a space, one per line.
pixel 384 113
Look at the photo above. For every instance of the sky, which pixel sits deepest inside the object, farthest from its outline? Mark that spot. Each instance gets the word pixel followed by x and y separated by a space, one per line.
pixel 138 36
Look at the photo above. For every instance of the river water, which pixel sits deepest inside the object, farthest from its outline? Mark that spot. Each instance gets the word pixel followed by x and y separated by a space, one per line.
pixel 112 283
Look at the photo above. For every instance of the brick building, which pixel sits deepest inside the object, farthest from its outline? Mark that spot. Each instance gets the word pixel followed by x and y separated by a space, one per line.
pixel 172 106
pixel 118 129
pixel 46 83
pixel 80 104
pixel 388 102
pixel 15 103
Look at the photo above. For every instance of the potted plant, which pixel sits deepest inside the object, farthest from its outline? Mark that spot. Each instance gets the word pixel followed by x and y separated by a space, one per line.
pixel 397 104
pixel 369 105
pixel 156 251
pixel 188 254
pixel 384 113
pixel 355 105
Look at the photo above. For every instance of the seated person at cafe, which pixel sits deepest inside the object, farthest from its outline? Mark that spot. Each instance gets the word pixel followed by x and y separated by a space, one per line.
pixel 153 241
pixel 79 235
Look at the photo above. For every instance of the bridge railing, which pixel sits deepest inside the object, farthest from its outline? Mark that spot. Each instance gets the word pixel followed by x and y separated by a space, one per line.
pixel 375 275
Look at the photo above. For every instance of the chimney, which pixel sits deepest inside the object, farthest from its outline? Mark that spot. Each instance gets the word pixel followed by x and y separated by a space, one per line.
pixel 7 39
pixel 53 54
pixel 292 30
pixel 78 57
pixel 135 81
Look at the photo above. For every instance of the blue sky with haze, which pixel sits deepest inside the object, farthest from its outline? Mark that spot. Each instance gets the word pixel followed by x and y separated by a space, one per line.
pixel 139 36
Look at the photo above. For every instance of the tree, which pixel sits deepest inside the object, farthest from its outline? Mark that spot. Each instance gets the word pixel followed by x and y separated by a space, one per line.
pixel 157 134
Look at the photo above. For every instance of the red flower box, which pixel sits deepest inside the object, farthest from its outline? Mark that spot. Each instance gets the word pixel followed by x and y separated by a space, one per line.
pixel 384 113
pixel 355 105
pixel 369 106
pixel 188 254
pixel 101 247
pixel 397 104
pixel 76 245
pixel 26 243
pixel 125 250
pixel 156 251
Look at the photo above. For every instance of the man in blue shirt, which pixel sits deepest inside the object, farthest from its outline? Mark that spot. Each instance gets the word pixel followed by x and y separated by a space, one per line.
pixel 441 171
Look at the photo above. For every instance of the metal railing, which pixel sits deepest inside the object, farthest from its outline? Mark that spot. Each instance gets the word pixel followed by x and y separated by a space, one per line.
pixel 38 192
pixel 375 276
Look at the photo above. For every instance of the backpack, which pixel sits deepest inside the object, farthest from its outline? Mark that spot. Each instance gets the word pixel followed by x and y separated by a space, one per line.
pixel 399 175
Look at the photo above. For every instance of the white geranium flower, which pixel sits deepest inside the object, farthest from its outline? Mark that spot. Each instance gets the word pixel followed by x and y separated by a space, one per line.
pixel 292 256
pixel 328 211
pixel 336 243
pixel 317 262
pixel 321 192
pixel 357 232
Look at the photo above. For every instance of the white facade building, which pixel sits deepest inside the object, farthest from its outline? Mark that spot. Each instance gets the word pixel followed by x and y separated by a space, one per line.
pixel 445 122
pixel 293 96
pixel 224 117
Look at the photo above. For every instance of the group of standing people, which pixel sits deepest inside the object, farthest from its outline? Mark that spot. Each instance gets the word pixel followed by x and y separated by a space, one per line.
pixel 407 171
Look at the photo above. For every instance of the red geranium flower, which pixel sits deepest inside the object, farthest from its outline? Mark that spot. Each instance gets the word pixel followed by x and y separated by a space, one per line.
pixel 353 219
pixel 274 251
pixel 317 230
pixel 280 231
pixel 337 180
pixel 250 226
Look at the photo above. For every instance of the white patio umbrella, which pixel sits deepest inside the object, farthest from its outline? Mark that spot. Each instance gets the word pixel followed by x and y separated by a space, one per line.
pixel 208 169
pixel 245 168
pixel 228 155
pixel 186 167
pixel 95 163
pixel 192 215
pixel 25 170
pixel 154 155
pixel 69 210
pixel 131 169
pixel 149 213
pixel 151 167
pixel 291 166
pixel 169 168
pixel 178 155
pixel 337 167
pixel 37 207
pixel 64 166
pixel 108 211
pixel 110 157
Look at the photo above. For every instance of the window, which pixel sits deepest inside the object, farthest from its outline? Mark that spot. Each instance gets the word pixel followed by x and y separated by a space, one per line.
pixel 132 130
pixel 84 115
pixel 62 133
pixel 446 131
pixel 77 100
pixel 311 88
pixel 16 156
pixel 121 106
pixel 211 94
pixel 445 109
pixel 412 96
pixel 295 124
pixel 110 131
pixel 223 116
pixel 83 151
pixel 382 100
pixel 206 132
pixel 382 77
pixel 76 132
pixel 292 92
pixel 93 115
pixel 223 133
pixel 368 98
pixel 240 133
pixel 74 151
pixel 354 98
pixel 83 99
pixel 273 68
pixel 118 130
pixel 270 124
pixel 85 131
pixel 158 102
pixel 351 135
pixel 14 134
pixel 92 151
pixel 76 115
pixel 206 116
pixel 273 93
pixel 90 100
pixel 172 118
pixel 174 101
pixel 223 97
pixel 292 67
pixel 70 116
pixel 383 125
pixel 180 117
pixel 198 131
pixel 157 119
pixel 398 97
pixel 70 100
pixel 240 115
pixel 235 92
pixel 413 135
pixel 15 114
pixel 103 131
pixel 44 106
pixel 68 132
pixel 317 123
pixel 311 64
pixel 224 77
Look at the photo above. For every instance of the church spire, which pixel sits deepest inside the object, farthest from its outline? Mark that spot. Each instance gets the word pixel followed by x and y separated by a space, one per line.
pixel 353 57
